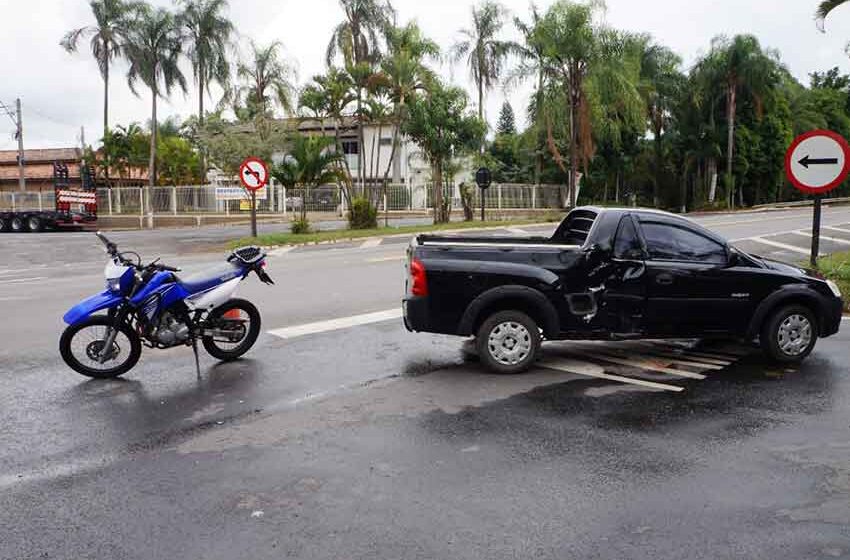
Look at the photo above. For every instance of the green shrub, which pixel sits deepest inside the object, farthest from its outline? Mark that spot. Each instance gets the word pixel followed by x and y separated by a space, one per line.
pixel 362 215
pixel 300 226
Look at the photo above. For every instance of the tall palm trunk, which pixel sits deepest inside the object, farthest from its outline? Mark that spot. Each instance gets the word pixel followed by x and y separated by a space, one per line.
pixel 439 212
pixel 659 157
pixel 538 163
pixel 575 93
pixel 731 108
pixel 201 83
pixel 152 160
pixel 106 94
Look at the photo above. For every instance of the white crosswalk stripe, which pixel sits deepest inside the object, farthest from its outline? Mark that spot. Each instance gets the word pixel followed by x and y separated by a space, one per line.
pixel 824 237
pixel 591 370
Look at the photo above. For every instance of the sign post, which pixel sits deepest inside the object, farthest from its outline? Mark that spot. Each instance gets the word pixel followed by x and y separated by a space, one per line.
pixel 254 175
pixel 817 162
pixel 484 179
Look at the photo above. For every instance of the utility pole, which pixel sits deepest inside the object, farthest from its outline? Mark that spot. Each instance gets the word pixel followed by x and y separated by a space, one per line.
pixel 19 134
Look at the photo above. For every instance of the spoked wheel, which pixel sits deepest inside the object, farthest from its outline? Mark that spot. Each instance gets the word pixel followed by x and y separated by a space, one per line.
pixel 83 347
pixel 235 327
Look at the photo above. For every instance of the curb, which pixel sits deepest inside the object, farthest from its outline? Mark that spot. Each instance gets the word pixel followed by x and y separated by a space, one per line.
pixel 396 236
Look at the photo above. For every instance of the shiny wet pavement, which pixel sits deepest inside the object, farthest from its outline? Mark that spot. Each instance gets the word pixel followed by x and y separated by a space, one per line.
pixel 373 442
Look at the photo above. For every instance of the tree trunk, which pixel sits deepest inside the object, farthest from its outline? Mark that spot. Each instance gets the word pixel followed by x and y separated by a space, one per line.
pixel 659 155
pixel 361 150
pixel 538 163
pixel 439 214
pixel 106 97
pixel 152 160
pixel 574 102
pixel 481 109
pixel 202 158
pixel 730 143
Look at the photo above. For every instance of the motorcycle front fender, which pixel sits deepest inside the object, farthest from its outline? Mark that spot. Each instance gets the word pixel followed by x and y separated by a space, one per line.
pixel 87 307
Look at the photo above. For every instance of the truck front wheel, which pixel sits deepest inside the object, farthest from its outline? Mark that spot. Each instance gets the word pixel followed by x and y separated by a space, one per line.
pixel 508 342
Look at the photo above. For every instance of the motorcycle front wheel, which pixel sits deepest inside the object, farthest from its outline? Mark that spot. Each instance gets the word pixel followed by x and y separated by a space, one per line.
pixel 236 325
pixel 82 346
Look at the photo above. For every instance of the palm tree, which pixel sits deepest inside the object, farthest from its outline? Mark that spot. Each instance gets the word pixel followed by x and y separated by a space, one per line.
pixel 485 54
pixel 357 36
pixel 208 37
pixel 309 163
pixel 741 66
pixel 153 45
pixel 824 9
pixel 403 73
pixel 532 65
pixel 267 75
pixel 660 81
pixel 111 20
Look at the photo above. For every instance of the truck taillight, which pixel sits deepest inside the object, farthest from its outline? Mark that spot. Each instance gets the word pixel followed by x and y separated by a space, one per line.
pixel 418 279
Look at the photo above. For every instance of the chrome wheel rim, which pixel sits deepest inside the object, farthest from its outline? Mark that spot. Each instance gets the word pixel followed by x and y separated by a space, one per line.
pixel 509 343
pixel 795 335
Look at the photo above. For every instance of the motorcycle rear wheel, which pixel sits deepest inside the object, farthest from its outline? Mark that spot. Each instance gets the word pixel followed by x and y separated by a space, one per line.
pixel 82 344
pixel 246 329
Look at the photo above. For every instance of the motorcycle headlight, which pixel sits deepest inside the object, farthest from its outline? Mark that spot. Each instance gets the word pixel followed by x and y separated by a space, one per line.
pixel 834 287
pixel 113 285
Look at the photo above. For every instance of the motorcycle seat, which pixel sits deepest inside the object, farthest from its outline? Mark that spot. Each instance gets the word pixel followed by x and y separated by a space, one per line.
pixel 210 278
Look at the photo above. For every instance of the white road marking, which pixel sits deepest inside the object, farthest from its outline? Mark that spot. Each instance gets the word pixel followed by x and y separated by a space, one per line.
pixel 842 230
pixel 337 324
pixel 648 365
pixel 689 356
pixel 784 246
pixel 370 243
pixel 592 370
pixel 22 280
pixel 845 318
pixel 281 251
pixel 20 270
pixel 833 239
pixel 652 357
pixel 386 259
pixel 517 231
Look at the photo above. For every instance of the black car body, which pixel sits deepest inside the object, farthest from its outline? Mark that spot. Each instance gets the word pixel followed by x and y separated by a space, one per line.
pixel 615 274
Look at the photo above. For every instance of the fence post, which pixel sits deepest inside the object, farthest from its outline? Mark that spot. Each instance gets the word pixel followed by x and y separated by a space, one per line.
pixel 283 199
pixel 385 203
pixel 499 194
pixel 40 205
pixel 534 197
pixel 13 202
pixel 409 196
pixel 117 200
pixel 174 200
pixel 109 199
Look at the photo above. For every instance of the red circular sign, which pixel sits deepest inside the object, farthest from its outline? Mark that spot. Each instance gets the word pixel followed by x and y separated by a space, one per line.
pixel 254 173
pixel 818 161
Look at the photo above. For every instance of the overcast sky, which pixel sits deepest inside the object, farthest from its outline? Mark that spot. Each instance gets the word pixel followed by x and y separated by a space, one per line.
pixel 62 92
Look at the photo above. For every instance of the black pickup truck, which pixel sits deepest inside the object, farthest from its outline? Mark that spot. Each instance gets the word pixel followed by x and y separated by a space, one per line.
pixel 612 274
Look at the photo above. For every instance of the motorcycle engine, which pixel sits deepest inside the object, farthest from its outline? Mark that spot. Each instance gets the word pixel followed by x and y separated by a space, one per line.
pixel 170 331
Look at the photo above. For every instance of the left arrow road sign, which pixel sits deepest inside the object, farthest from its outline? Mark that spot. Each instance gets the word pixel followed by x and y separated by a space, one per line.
pixel 818 161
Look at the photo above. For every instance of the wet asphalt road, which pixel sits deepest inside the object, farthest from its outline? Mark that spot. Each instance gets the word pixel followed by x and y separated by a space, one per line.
pixel 372 442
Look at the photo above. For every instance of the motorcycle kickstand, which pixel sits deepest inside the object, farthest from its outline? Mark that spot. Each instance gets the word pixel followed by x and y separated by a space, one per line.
pixel 197 361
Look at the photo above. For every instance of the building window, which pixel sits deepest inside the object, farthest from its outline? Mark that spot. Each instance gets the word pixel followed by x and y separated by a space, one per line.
pixel 386 141
pixel 350 147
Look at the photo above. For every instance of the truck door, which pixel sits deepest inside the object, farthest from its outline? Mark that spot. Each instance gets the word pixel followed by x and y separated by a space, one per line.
pixel 624 292
pixel 690 290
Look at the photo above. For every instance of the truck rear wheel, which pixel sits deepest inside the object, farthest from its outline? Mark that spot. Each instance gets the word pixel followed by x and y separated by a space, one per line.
pixel 18 225
pixel 508 342
pixel 35 224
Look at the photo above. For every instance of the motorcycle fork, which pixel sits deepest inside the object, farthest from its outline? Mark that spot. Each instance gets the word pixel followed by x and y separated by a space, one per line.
pixel 118 316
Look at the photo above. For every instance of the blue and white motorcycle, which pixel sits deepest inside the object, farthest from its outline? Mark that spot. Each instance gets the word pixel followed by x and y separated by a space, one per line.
pixel 151 305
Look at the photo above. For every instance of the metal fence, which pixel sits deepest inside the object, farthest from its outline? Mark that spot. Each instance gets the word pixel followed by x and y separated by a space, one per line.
pixel 204 199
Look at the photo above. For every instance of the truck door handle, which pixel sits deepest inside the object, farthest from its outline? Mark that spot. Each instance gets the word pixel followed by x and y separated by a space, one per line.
pixel 664 279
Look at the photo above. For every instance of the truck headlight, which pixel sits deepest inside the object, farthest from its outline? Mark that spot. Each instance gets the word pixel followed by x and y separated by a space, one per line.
pixel 834 287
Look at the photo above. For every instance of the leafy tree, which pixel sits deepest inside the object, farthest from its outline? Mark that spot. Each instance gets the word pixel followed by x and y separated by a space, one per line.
pixel 438 122
pixel 112 19
pixel 507 121
pixel 267 81
pixel 208 38
pixel 484 52
pixel 178 162
pixel 153 45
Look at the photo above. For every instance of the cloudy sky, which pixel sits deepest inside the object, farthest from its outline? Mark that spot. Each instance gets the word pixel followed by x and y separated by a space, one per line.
pixel 62 92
